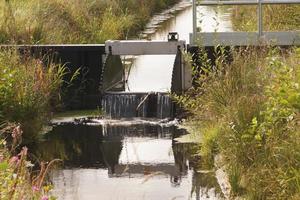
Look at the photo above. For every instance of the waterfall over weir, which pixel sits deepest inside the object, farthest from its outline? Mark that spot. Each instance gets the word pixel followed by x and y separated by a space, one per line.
pixel 129 105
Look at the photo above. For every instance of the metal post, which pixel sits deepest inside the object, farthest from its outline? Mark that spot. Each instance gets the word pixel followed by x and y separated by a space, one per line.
pixel 260 18
pixel 182 72
pixel 194 22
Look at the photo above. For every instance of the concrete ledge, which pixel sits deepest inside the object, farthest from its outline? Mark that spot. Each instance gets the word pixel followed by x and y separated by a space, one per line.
pixel 291 38
pixel 245 2
pixel 142 47
pixel 65 47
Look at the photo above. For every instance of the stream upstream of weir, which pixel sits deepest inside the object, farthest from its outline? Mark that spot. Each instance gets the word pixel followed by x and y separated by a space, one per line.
pixel 133 158
pixel 154 72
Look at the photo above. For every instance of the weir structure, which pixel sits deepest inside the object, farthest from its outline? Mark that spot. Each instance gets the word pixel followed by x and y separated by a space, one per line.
pixel 102 74
pixel 118 103
pixel 117 48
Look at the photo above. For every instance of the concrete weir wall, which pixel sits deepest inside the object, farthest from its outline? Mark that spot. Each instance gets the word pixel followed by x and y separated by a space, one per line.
pixel 146 105
pixel 83 93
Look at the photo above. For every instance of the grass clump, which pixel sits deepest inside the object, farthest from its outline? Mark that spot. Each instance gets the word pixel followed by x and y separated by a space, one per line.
pixel 249 111
pixel 64 21
pixel 275 18
pixel 28 90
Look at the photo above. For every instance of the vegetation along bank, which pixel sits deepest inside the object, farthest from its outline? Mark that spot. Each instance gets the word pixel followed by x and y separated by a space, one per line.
pixel 30 90
pixel 248 111
pixel 63 21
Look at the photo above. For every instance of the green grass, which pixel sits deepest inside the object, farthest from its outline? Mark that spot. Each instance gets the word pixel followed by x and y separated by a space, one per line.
pixel 248 111
pixel 275 18
pixel 78 113
pixel 64 21
pixel 29 91
pixel 16 180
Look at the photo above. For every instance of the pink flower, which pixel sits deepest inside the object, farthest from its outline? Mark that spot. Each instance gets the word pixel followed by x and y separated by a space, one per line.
pixel 14 160
pixel 35 188
pixel 24 151
pixel 44 198
pixel 17 132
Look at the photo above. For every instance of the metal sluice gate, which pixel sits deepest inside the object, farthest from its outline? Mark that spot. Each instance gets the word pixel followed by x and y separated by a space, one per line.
pixel 113 70
pixel 117 103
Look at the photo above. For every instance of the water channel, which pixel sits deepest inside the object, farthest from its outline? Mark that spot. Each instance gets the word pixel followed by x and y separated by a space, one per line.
pixel 154 72
pixel 131 158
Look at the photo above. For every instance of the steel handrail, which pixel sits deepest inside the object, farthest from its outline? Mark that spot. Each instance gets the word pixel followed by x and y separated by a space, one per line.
pixel 259 4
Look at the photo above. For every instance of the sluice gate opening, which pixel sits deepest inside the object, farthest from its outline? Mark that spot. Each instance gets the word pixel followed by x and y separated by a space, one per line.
pixel 119 103
pixel 131 105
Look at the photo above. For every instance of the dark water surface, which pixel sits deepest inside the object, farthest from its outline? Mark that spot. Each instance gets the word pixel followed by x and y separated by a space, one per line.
pixel 138 161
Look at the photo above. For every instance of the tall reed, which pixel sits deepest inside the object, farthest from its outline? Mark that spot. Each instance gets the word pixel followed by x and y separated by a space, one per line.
pixel 28 90
pixel 65 21
pixel 275 18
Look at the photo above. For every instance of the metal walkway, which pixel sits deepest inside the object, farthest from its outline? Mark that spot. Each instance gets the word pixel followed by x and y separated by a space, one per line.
pixel 280 38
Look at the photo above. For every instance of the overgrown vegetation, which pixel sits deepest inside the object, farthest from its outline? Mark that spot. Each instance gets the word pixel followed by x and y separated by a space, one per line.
pixel 28 90
pixel 249 112
pixel 275 17
pixel 76 21
pixel 16 181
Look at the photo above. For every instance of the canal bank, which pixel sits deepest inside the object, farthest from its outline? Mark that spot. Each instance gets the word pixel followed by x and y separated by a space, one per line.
pixel 131 158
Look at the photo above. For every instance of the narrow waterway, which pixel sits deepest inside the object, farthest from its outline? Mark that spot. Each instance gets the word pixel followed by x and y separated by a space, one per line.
pixel 154 72
pixel 128 160
pixel 134 158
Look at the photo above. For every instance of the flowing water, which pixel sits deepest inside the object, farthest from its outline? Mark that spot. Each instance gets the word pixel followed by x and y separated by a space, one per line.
pixel 128 105
pixel 134 158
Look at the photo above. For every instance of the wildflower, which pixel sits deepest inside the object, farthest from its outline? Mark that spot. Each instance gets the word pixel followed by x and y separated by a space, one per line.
pixel 14 160
pixel 29 164
pixel 24 151
pixel 1 158
pixel 47 188
pixel 35 188
pixel 17 132
pixel 44 198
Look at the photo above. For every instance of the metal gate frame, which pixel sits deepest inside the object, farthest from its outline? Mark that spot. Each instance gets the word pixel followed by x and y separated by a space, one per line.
pixel 294 36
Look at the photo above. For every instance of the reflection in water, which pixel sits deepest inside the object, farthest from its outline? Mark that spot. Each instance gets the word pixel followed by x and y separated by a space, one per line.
pixel 124 162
